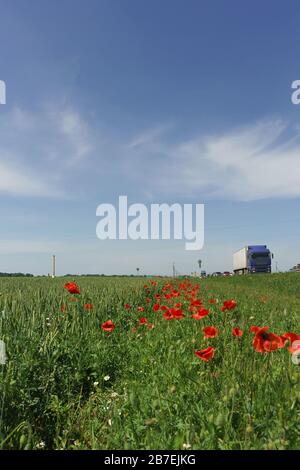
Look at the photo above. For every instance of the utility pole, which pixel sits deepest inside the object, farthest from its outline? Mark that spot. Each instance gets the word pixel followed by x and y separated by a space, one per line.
pixel 53 265
pixel 174 270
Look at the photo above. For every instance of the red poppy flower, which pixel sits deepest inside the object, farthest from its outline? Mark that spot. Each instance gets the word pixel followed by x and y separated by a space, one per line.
pixel 254 329
pixel 88 306
pixel 237 332
pixel 266 342
pixel 156 307
pixel 212 301
pixel 291 337
pixel 201 313
pixel 228 305
pixel 143 321
pixel 210 332
pixel 196 303
pixel 206 354
pixel 177 313
pixel 108 326
pixel 72 287
pixel 168 315
pixel 150 326
pixel 140 309
pixel 127 306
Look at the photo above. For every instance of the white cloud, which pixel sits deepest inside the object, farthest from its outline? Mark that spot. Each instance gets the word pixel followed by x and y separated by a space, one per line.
pixel 76 131
pixel 51 151
pixel 20 182
pixel 150 136
pixel 38 149
pixel 257 161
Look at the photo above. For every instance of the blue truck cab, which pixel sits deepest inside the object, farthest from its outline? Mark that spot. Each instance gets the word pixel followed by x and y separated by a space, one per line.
pixel 259 259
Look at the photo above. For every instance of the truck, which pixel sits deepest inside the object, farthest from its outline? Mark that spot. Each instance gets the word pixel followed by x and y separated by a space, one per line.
pixel 252 259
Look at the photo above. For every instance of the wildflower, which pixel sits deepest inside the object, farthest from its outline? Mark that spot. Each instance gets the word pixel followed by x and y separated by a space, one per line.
pixel 168 315
pixel 143 321
pixel 96 384
pixel 201 313
pixel 210 332
pixel 206 354
pixel 140 309
pixel 254 329
pixel 106 378
pixel 41 445
pixel 196 303
pixel 212 301
pixel 156 307
pixel 237 332
pixel 177 313
pixel 186 445
pixel 266 342
pixel 228 305
pixel 72 287
pixel 108 326
pixel 88 306
pixel 291 337
pixel 127 306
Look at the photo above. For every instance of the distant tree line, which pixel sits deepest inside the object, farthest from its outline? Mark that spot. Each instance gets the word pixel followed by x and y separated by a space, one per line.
pixel 16 275
pixel 104 275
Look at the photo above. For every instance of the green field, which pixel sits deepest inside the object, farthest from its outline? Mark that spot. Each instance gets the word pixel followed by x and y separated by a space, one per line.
pixel 67 384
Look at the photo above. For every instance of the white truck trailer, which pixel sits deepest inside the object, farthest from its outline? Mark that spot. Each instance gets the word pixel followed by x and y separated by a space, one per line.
pixel 252 259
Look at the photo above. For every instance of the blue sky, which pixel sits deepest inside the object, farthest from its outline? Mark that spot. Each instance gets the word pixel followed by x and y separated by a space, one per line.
pixel 163 101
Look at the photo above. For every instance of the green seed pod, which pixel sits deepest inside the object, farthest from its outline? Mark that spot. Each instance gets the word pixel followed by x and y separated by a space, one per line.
pixel 220 420
pixel 22 441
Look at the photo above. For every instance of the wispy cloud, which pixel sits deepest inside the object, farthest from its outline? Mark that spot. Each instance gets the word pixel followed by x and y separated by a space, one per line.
pixel 150 136
pixel 38 147
pixel 261 160
pixel 50 151
pixel 21 182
